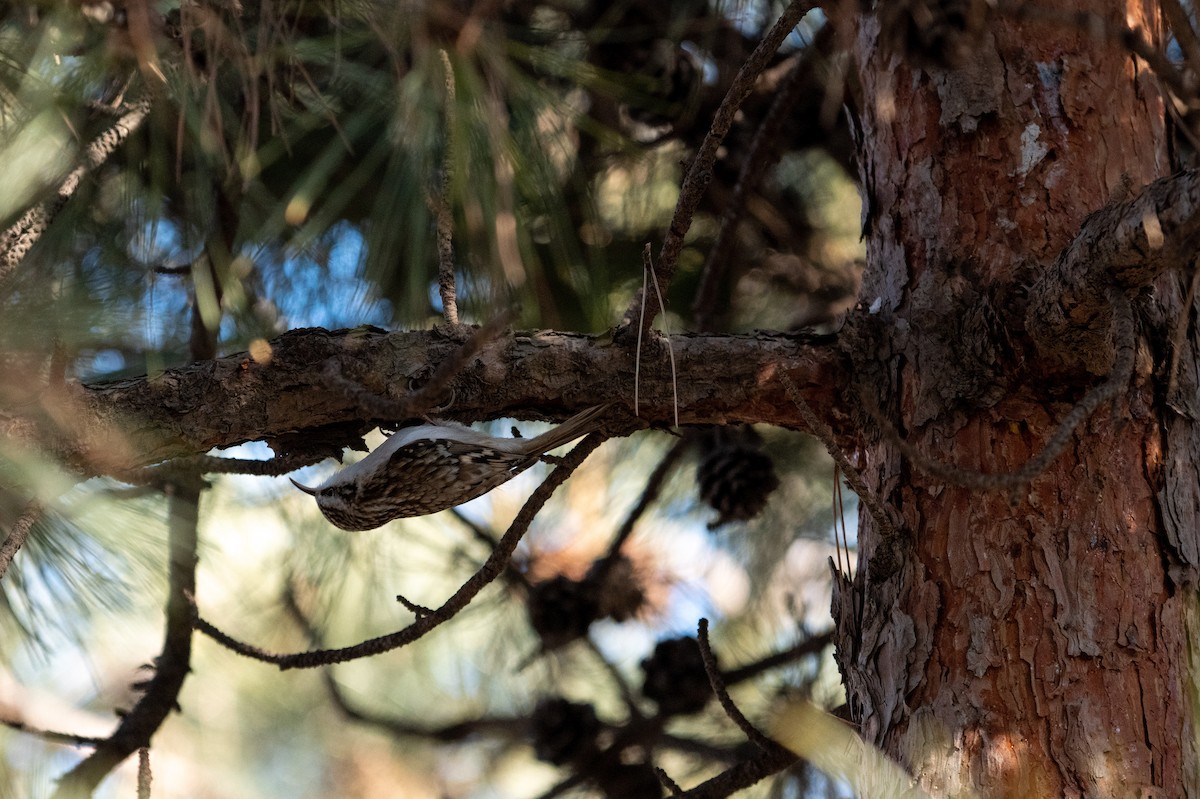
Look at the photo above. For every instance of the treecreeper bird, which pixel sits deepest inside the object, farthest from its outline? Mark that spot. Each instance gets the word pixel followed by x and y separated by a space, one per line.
pixel 431 467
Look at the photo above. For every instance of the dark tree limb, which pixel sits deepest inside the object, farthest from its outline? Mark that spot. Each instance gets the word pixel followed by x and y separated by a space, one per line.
pixel 117 426
pixel 491 569
pixel 171 666
pixel 52 736
pixel 742 775
pixel 752 733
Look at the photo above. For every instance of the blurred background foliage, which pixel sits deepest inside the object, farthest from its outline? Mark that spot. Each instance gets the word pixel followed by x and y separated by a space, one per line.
pixel 287 175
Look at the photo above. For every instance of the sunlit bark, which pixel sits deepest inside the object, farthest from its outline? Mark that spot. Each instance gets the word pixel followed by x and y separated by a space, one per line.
pixel 1033 643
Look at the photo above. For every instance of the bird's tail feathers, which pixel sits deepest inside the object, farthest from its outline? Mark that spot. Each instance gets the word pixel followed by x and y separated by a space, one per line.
pixel 578 425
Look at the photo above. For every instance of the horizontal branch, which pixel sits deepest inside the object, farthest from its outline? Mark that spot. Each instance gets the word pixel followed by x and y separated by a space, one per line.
pixel 1125 244
pixel 286 398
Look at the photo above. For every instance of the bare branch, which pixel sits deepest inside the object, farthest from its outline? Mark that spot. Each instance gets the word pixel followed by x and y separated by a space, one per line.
pixel 445 217
pixel 667 782
pixel 512 727
pixel 53 736
pixel 654 484
pixel 1185 34
pixel 763 151
pixel 185 411
pixel 447 733
pixel 431 392
pixel 809 646
pixel 1126 245
pixel 211 464
pixel 490 570
pixel 143 777
pixel 17 534
pixel 722 693
pixel 742 775
pixel 699 174
pixel 171 666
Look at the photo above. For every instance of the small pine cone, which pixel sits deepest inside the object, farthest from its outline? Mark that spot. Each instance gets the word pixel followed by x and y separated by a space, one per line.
pixel 564 731
pixel 630 781
pixel 561 610
pixel 734 475
pixel 617 588
pixel 675 677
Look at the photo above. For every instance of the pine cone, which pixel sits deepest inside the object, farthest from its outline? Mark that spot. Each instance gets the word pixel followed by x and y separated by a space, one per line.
pixel 563 731
pixel 734 475
pixel 675 677
pixel 561 610
pixel 617 588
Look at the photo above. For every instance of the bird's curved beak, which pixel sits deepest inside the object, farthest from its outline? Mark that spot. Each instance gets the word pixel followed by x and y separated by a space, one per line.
pixel 310 491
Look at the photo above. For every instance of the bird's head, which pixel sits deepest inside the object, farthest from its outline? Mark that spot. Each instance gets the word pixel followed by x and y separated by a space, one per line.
pixel 336 499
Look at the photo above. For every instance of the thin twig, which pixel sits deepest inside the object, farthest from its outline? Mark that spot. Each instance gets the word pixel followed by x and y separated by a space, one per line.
pixel 1180 332
pixel 874 505
pixel 710 752
pixel 419 611
pixel 17 240
pixel 1185 34
pixel 1124 341
pixel 763 152
pixel 212 464
pixel 172 664
pixel 654 485
pixel 735 715
pixel 143 777
pixel 642 329
pixel 445 217
pixel 742 775
pixel 506 726
pixel 53 736
pixel 491 569
pixel 18 534
pixel 700 174
pixel 511 726
pixel 666 780
pixel 838 511
pixel 810 646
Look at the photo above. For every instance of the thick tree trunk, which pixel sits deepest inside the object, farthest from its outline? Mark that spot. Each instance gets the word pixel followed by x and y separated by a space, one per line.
pixel 1033 643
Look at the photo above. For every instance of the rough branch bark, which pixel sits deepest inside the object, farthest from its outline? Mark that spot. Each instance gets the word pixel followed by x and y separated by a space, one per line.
pixel 117 426
pixel 1126 244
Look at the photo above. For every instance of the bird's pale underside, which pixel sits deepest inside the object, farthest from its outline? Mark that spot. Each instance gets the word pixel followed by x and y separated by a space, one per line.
pixel 428 468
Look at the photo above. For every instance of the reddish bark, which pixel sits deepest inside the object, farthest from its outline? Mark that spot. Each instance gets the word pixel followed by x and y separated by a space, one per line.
pixel 1034 644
